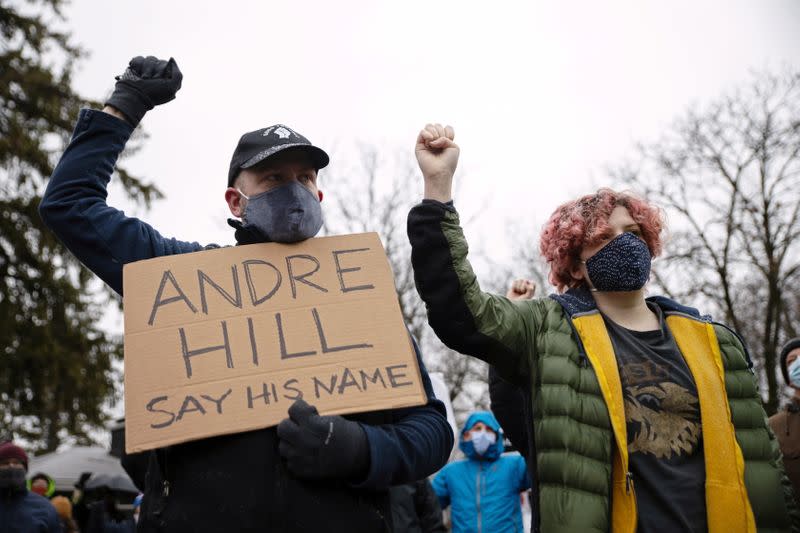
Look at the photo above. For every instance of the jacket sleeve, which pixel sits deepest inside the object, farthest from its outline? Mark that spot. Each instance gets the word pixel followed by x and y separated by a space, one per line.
pixel 441 489
pixel 74 205
pixel 464 317
pixel 53 521
pixel 416 444
pixel 428 509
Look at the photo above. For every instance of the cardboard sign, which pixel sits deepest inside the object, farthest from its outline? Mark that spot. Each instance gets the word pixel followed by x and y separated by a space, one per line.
pixel 224 340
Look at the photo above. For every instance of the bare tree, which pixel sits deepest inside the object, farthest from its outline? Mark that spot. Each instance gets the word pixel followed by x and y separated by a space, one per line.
pixel 466 379
pixel 375 194
pixel 729 178
pixel 373 191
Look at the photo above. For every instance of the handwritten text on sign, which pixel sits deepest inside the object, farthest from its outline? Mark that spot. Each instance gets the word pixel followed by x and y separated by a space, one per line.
pixel 224 340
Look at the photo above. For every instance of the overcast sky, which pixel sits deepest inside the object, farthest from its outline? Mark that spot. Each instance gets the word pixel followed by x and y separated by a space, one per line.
pixel 542 94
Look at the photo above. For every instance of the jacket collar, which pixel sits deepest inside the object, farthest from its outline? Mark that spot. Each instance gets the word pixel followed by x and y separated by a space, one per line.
pixel 579 300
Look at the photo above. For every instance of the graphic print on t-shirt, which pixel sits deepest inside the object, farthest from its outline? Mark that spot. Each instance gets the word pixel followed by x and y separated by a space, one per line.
pixel 667 416
pixel 662 412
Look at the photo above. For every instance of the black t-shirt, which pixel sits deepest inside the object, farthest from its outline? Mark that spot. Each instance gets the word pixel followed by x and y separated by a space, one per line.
pixel 665 442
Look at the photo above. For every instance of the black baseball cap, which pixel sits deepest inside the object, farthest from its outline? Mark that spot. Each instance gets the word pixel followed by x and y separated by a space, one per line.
pixel 256 146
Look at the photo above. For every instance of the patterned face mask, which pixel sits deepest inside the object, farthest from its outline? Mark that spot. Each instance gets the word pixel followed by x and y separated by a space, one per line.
pixel 621 265
pixel 289 213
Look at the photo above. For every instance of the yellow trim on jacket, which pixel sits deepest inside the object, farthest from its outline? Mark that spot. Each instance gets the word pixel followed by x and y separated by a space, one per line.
pixel 727 505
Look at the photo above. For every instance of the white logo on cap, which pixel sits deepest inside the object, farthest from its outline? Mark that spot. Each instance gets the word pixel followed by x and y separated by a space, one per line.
pixel 280 131
pixel 283 133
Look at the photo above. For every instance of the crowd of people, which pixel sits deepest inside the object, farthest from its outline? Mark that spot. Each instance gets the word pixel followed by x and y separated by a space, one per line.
pixel 31 503
pixel 629 412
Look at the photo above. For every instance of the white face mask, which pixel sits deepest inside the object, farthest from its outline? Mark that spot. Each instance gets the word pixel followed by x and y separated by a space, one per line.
pixel 794 372
pixel 482 440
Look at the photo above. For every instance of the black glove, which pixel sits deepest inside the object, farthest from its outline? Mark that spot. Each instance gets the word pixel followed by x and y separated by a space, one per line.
pixel 82 481
pixel 319 447
pixel 147 82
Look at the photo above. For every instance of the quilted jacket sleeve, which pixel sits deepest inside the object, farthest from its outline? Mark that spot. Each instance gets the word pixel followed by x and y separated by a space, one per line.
pixel 464 317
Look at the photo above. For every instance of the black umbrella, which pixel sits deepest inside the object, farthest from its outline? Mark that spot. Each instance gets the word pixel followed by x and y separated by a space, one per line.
pixel 115 483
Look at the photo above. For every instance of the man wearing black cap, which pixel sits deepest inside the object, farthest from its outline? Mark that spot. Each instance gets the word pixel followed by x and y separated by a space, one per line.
pixel 272 185
pixel 311 473
pixel 786 422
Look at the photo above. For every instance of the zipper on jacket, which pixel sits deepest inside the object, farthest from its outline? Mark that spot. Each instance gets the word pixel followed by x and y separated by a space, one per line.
pixel 582 357
pixel 478 494
pixel 160 504
pixel 631 489
pixel 165 474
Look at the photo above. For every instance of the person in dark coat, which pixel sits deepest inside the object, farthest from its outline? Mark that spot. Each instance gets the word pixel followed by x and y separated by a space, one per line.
pixel 509 405
pixel 105 516
pixel 312 472
pixel 22 511
pixel 416 509
pixel 786 422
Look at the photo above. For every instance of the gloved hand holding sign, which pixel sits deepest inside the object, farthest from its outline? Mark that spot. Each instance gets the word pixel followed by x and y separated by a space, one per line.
pixel 319 447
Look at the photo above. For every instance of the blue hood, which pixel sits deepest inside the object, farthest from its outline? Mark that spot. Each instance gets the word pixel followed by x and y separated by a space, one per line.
pixel 487 418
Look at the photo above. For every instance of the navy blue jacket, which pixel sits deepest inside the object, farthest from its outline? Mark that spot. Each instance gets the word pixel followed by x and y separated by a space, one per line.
pixel 233 482
pixel 25 512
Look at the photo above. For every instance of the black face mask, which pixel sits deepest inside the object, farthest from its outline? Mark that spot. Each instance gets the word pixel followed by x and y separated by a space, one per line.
pixel 12 479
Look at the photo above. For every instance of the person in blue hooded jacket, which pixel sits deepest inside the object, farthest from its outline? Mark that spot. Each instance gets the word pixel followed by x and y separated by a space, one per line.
pixel 483 489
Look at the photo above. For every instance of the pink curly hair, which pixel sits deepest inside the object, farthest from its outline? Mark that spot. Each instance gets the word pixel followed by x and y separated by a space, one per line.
pixel 584 222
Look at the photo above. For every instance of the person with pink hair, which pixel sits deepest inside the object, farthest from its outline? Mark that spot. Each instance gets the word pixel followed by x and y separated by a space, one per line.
pixel 643 414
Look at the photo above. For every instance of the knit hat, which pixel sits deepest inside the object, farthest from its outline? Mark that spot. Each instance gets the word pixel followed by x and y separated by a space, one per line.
pixel 9 450
pixel 63 506
pixel 788 347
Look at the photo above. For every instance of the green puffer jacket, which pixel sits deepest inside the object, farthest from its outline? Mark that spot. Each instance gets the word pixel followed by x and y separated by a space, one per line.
pixel 558 349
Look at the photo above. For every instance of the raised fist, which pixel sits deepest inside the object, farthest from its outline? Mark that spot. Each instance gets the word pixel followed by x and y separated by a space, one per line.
pixel 521 289
pixel 437 156
pixel 147 82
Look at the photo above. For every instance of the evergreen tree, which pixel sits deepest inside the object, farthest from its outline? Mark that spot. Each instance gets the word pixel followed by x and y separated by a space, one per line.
pixel 56 371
